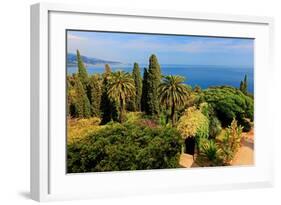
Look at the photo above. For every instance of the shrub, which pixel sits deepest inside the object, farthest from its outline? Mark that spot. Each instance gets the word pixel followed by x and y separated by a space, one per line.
pixel 79 128
pixel 215 127
pixel 229 103
pixel 210 154
pixel 132 117
pixel 125 147
pixel 164 118
pixel 147 123
pixel 194 98
pixel 214 123
pixel 222 152
pixel 193 123
pixel 231 141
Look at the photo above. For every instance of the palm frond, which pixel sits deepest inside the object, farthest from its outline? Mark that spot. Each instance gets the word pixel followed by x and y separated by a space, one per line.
pixel 172 90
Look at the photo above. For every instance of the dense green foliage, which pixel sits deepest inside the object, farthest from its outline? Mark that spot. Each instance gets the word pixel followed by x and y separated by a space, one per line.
pixel 125 147
pixel 214 123
pixel 173 94
pixel 229 103
pixel 153 81
pixel 214 126
pixel 138 85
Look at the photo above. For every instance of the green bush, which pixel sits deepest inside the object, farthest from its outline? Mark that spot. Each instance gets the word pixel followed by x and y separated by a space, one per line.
pixel 214 123
pixel 214 127
pixel 125 147
pixel 229 103
pixel 210 154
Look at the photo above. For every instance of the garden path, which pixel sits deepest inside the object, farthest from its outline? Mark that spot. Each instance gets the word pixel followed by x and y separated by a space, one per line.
pixel 245 154
pixel 186 161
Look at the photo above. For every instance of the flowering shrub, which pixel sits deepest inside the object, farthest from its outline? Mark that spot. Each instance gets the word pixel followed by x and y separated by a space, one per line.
pixel 193 124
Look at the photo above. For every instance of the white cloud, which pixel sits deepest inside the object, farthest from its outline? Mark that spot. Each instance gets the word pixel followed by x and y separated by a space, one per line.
pixel 190 47
pixel 77 38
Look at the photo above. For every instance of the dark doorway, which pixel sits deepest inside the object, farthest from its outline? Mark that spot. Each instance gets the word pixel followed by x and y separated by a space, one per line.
pixel 189 145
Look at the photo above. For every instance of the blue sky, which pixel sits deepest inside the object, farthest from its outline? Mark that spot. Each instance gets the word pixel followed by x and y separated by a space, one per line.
pixel 169 49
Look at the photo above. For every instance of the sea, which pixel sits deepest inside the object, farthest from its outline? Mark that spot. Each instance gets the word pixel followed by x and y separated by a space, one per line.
pixel 202 75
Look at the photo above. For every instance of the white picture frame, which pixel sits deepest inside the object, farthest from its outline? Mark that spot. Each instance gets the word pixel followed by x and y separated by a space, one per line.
pixel 49 181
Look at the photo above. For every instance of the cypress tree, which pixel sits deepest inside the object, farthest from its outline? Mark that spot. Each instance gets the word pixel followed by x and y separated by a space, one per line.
pixel 138 85
pixel 95 93
pixel 107 69
pixel 197 89
pixel 241 86
pixel 153 81
pixel 81 104
pixel 108 107
pixel 131 104
pixel 69 97
pixel 244 85
pixel 82 71
pixel 144 104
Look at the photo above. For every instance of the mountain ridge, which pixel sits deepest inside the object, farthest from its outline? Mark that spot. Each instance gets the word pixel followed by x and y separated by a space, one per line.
pixel 72 60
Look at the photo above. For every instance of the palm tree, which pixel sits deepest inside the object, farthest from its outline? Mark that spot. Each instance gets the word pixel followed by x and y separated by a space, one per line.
pixel 173 93
pixel 120 87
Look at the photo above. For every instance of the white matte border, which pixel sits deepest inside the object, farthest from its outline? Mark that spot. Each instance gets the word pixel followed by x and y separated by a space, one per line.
pixel 139 182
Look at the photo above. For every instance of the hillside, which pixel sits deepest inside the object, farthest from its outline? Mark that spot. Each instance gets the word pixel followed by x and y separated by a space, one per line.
pixel 72 60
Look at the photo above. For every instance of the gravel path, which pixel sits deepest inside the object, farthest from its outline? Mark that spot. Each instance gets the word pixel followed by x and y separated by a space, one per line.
pixel 186 160
pixel 245 155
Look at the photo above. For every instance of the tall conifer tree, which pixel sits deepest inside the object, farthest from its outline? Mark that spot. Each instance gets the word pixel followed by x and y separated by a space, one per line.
pixel 107 69
pixel 241 86
pixel 82 71
pixel 108 107
pixel 144 104
pixel 81 102
pixel 138 85
pixel 95 93
pixel 244 85
pixel 153 81
pixel 69 96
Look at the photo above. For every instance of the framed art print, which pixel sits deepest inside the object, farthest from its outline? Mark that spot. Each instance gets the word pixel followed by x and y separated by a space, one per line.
pixel 133 102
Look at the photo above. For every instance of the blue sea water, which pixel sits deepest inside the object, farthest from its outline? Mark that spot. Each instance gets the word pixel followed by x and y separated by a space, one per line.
pixel 202 75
